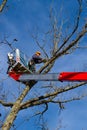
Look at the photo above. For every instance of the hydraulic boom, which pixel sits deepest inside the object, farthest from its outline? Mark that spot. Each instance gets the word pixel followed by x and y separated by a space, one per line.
pixel 20 72
pixel 63 76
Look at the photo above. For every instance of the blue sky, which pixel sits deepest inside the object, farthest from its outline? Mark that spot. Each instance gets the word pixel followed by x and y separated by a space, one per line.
pixel 20 20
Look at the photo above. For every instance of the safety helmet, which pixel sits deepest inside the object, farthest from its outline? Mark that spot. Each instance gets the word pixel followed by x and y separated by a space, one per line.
pixel 10 55
pixel 38 53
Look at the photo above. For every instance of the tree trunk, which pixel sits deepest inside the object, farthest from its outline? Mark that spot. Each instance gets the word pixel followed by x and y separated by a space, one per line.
pixel 16 107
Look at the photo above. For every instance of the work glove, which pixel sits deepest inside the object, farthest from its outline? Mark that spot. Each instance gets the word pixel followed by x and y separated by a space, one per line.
pixel 45 60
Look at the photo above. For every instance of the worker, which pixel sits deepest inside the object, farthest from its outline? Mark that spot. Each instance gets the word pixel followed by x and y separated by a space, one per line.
pixel 10 61
pixel 36 59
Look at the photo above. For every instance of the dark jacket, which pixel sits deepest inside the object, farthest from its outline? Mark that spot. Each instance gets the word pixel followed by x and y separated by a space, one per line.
pixel 11 62
pixel 37 59
pixel 34 60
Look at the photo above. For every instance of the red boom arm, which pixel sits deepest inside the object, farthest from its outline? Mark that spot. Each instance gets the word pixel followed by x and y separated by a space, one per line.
pixel 72 76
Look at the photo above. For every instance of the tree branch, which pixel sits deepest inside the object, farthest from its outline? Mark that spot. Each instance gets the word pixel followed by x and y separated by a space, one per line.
pixel 9 104
pixel 45 109
pixel 75 27
pixel 3 5
pixel 40 100
pixel 41 47
pixel 73 43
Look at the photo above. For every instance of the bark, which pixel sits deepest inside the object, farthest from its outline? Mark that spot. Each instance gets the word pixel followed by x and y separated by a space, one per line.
pixel 3 5
pixel 16 107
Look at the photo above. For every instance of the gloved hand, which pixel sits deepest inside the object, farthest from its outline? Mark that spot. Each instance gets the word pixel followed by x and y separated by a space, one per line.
pixel 45 60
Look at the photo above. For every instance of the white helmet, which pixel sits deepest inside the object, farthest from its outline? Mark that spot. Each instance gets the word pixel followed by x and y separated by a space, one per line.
pixel 10 55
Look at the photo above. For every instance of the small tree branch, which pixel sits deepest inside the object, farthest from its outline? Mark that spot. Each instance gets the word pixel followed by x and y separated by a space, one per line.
pixel 9 104
pixel 41 47
pixel 45 109
pixel 75 27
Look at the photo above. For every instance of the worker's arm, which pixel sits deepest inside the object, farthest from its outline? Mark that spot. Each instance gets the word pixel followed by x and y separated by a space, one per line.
pixel 38 59
pixel 44 60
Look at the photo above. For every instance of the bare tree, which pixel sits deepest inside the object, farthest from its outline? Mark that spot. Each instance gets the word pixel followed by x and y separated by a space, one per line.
pixel 67 46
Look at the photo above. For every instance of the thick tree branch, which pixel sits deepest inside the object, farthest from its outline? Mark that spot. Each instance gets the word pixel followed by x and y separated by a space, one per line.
pixel 36 102
pixel 40 100
pixel 72 44
pixel 3 5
